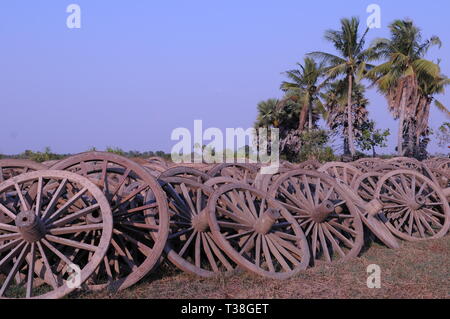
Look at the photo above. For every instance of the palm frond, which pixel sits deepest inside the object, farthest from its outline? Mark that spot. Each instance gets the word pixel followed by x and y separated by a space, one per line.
pixel 441 107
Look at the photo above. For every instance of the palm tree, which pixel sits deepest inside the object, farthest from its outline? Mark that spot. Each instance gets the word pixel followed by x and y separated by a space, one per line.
pixel 408 81
pixel 268 114
pixel 335 104
pixel 351 63
pixel 305 84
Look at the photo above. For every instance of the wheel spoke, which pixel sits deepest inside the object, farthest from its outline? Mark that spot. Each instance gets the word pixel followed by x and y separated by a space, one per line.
pixel 209 254
pixel 69 203
pixel 7 212
pixel 267 256
pixel 54 199
pixel 277 255
pixel 74 216
pixel 17 264
pixel 31 271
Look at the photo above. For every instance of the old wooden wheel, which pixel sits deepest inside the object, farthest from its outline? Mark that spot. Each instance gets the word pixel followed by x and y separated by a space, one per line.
pixel 442 177
pixel 343 173
pixel 324 210
pixel 50 232
pixel 415 207
pixel 191 246
pixel 13 167
pixel 365 185
pixel 367 164
pixel 309 165
pixel 406 163
pixel 140 214
pixel 186 172
pixel 257 232
pixel 364 188
pixel 239 171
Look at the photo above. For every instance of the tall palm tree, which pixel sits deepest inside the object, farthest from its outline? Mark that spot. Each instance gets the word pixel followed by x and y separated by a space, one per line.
pixel 305 82
pixel 335 104
pixel 268 114
pixel 351 63
pixel 408 81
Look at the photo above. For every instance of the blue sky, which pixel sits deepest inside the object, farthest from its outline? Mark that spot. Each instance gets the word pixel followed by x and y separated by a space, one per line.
pixel 138 69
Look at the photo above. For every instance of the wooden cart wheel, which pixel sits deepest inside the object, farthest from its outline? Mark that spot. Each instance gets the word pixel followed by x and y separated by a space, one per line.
pixel 257 232
pixel 216 182
pixel 49 164
pixel 443 164
pixel 405 163
pixel 442 177
pixel 13 167
pixel 191 246
pixel 324 210
pixel 50 233
pixel 154 169
pixel 264 181
pixel 159 161
pixel 367 164
pixel 309 165
pixel 240 172
pixel 186 172
pixel 415 207
pixel 365 185
pixel 385 168
pixel 140 213
pixel 343 173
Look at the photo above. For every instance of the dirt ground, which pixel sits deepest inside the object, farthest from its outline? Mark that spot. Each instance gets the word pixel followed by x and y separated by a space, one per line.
pixel 417 270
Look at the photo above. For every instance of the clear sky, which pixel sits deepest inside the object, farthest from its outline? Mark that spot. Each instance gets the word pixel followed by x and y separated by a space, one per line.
pixel 138 69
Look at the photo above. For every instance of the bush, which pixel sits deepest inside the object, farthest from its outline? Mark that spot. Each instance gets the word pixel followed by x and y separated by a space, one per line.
pixel 314 147
pixel 40 157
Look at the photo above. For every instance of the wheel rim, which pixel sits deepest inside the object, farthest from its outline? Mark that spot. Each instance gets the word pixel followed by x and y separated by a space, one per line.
pixel 416 208
pixel 327 215
pixel 50 231
pixel 191 246
pixel 140 214
pixel 256 232
pixel 343 173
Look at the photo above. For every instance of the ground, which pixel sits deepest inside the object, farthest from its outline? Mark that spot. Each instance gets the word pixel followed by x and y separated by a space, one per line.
pixel 417 270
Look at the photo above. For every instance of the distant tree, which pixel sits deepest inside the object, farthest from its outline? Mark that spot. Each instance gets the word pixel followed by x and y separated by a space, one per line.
pixel 315 146
pixel 115 150
pixel 306 79
pixel 410 83
pixel 443 135
pixel 372 138
pixel 350 64
pixel 336 111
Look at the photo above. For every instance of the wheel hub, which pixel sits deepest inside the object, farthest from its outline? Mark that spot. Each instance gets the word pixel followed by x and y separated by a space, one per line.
pixel 200 222
pixel 322 212
pixel 417 202
pixel 30 226
pixel 265 222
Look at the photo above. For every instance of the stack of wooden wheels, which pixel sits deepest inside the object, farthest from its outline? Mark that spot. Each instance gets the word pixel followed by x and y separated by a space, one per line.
pixel 101 221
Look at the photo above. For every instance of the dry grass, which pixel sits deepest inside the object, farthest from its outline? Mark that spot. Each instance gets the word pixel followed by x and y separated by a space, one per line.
pixel 417 270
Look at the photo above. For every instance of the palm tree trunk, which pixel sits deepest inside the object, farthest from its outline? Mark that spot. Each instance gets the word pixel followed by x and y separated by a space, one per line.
pixel 401 124
pixel 350 116
pixel 310 118
pixel 303 114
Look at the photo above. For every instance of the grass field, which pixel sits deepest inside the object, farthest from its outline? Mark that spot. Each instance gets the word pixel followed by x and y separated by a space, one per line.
pixel 417 270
